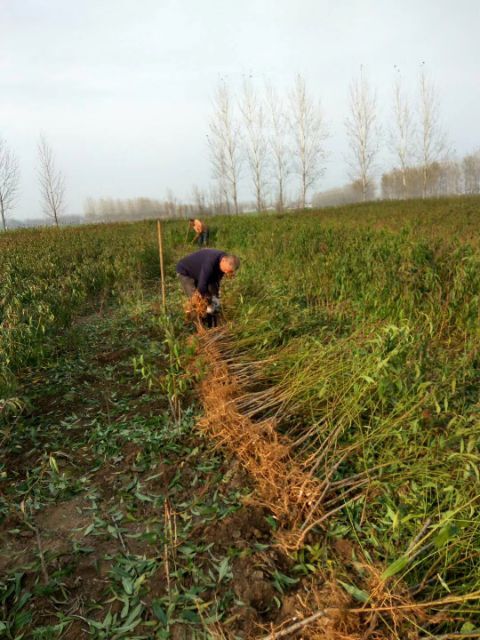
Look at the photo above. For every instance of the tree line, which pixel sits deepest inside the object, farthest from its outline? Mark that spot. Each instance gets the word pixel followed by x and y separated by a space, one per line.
pixel 275 146
pixel 444 178
pixel 447 178
pixel 115 209
pixel 279 143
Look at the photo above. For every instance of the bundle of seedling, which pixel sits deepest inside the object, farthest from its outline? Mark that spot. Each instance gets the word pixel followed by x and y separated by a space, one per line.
pixel 196 307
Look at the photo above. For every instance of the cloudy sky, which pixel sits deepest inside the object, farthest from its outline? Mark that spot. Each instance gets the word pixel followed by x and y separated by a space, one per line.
pixel 123 89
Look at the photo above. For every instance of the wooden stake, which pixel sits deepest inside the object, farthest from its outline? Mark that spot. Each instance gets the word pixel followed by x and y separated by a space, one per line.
pixel 160 253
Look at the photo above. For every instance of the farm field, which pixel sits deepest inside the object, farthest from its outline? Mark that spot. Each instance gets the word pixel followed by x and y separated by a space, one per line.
pixel 316 455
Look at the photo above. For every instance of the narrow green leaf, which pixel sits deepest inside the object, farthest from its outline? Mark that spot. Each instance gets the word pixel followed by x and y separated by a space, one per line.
pixel 159 612
pixel 127 585
pixel 190 616
pixel 355 592
pixel 223 569
pixel 395 567
pixel 446 533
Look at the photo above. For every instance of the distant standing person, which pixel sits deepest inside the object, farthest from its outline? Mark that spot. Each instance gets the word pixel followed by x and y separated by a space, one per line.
pixel 201 232
pixel 203 271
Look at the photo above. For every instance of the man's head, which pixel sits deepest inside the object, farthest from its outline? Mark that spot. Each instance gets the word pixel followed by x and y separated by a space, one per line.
pixel 191 222
pixel 229 264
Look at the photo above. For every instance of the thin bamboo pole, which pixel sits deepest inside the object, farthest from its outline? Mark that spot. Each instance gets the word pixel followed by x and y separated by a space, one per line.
pixel 162 273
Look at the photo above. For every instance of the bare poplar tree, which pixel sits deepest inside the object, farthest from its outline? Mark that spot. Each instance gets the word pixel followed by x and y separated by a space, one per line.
pixel 362 133
pixel 309 135
pixel 52 182
pixel 224 145
pixel 432 142
pixel 219 165
pixel 9 180
pixel 279 145
pixel 256 141
pixel 402 133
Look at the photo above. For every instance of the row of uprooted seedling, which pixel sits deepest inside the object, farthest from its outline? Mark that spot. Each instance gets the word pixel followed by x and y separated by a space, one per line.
pixel 342 474
pixel 348 383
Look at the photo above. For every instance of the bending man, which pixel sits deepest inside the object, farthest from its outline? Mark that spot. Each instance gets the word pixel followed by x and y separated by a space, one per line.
pixel 201 231
pixel 203 271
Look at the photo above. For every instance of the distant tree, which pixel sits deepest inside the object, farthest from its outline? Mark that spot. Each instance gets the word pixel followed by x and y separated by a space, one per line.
pixel 362 133
pixel 219 204
pixel 9 180
pixel 171 204
pixel 279 145
pixel 432 143
pixel 392 183
pixel 309 135
pixel 109 209
pixel 402 133
pixel 444 178
pixel 449 178
pixel 347 194
pixel 256 141
pixel 471 173
pixel 388 185
pixel 199 201
pixel 106 209
pixel 224 145
pixel 90 209
pixel 52 182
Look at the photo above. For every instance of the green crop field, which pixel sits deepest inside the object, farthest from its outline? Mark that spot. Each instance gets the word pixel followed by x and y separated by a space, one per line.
pixel 355 330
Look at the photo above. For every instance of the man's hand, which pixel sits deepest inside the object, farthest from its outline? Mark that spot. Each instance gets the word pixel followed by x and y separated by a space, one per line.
pixel 214 305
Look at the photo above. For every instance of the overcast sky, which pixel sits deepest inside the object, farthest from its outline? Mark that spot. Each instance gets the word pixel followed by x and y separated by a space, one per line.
pixel 123 89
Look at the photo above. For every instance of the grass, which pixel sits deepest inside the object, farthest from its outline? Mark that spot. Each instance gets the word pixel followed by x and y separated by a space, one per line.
pixel 355 329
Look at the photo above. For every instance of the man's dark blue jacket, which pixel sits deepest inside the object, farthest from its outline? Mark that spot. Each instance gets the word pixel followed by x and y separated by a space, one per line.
pixel 204 267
